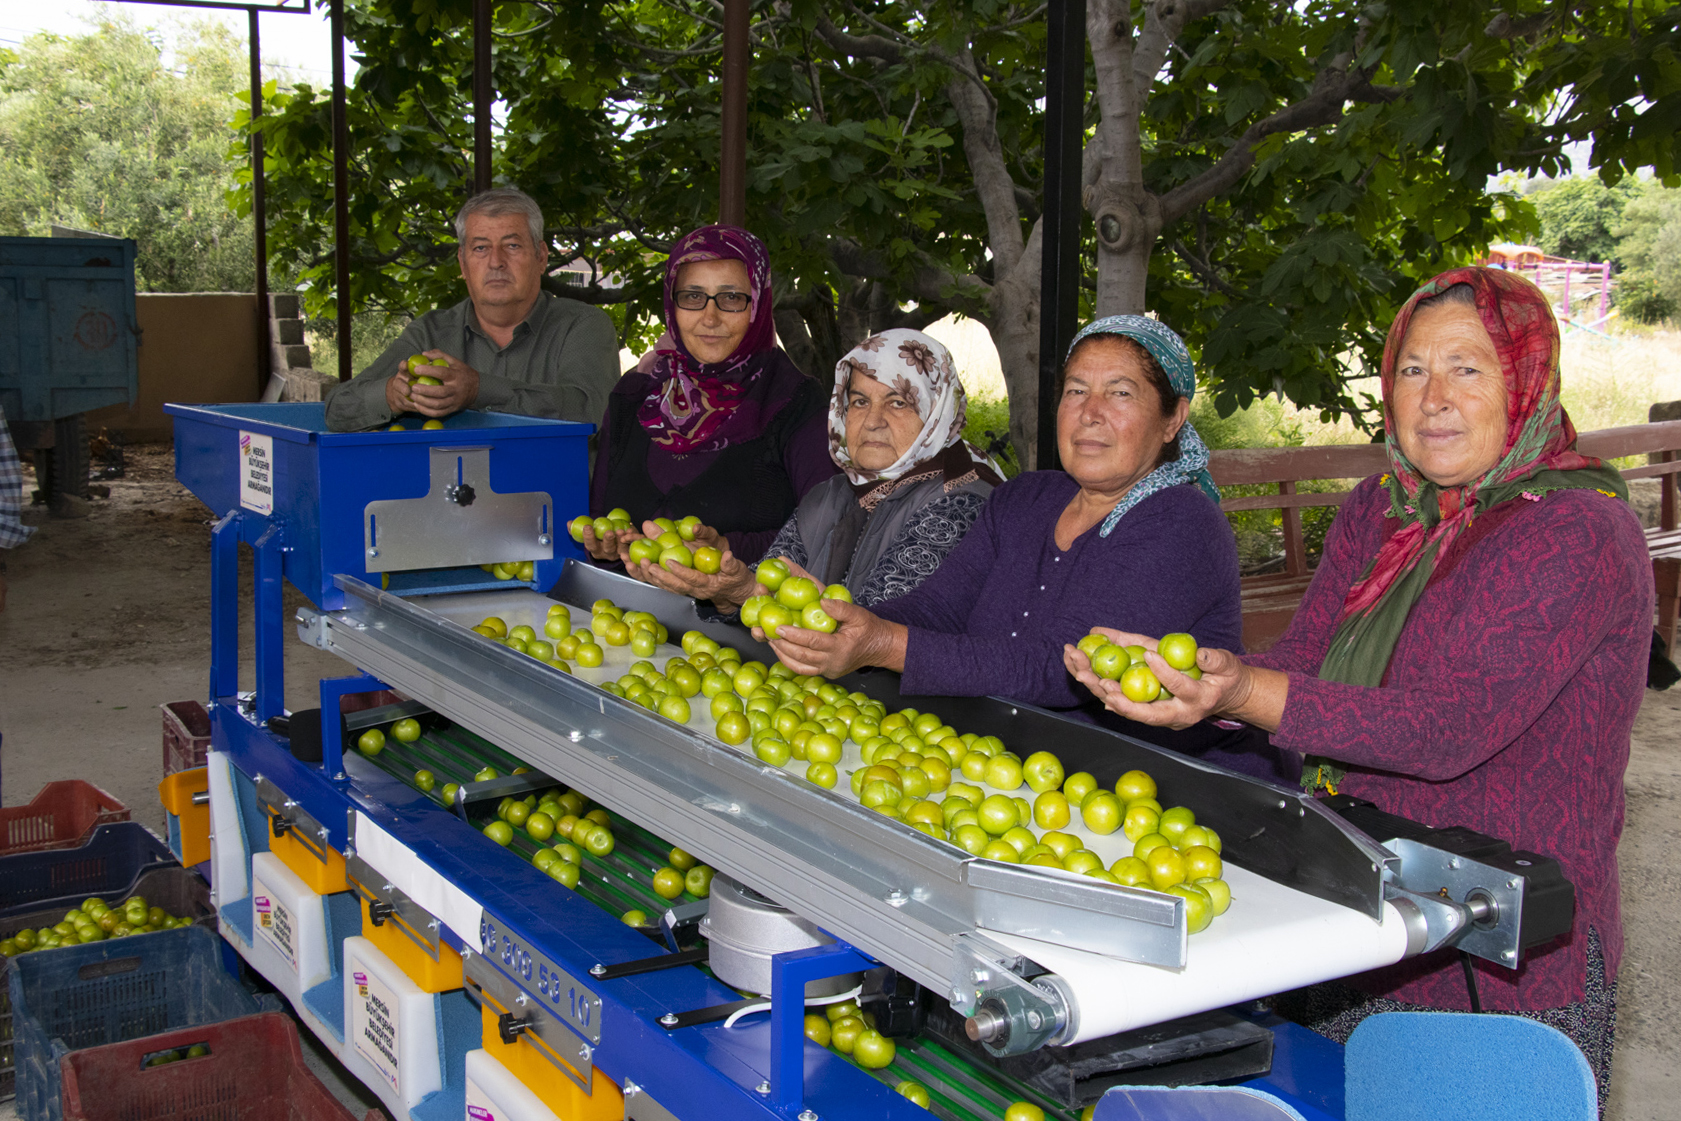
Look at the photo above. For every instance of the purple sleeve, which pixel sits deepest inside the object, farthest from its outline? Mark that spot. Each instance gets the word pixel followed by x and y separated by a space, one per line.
pixel 807 462
pixel 1481 671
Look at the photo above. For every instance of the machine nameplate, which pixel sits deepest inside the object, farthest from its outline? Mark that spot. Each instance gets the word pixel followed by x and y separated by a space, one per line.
pixel 558 991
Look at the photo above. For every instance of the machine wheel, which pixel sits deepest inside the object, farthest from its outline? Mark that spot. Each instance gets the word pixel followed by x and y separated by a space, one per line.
pixel 63 468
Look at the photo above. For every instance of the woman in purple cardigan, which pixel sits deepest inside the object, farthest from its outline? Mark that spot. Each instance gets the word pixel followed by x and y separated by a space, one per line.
pixel 1472 650
pixel 1128 530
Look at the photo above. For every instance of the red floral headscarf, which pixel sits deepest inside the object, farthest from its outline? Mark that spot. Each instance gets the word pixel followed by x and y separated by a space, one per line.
pixel 1539 456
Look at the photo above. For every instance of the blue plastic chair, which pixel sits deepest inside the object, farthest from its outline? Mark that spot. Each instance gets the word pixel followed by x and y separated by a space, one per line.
pixel 1422 1066
pixel 1191 1103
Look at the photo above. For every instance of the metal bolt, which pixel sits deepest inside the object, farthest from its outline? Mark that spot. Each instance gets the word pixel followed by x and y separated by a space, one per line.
pixel 1509 955
pixel 808 1115
pixel 1512 883
pixel 957 994
pixel 631 1089
pixel 1453 862
pixel 340 777
pixel 372 552
pixel 434 925
pixel 521 999
pixel 1282 804
pixel 545 539
pixel 575 736
pixel 322 832
pixel 1033 1018
pixel 586 1052
pixel 896 895
pixel 669 1019
pixel 597 969
pixel 763 1088
pixel 978 976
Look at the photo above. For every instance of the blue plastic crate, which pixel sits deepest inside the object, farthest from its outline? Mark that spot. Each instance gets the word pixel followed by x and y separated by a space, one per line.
pixel 75 997
pixel 319 489
pixel 111 863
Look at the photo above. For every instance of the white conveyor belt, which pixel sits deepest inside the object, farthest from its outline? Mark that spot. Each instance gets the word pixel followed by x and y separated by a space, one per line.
pixel 1272 939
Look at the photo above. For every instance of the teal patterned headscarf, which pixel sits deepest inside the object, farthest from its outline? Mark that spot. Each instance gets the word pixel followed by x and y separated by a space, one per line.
pixel 1168 349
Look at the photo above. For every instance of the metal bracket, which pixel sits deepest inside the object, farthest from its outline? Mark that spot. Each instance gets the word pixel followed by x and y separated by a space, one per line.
pixel 1013 1004
pixel 681 924
pixel 461 521
pixel 650 965
pixel 495 789
pixel 519 1014
pixel 641 1106
pixel 556 991
pixel 1069 910
pixel 1463 902
pixel 387 903
pixel 286 816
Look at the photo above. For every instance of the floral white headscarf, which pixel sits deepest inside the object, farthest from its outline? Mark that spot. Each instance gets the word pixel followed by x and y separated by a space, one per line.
pixel 919 369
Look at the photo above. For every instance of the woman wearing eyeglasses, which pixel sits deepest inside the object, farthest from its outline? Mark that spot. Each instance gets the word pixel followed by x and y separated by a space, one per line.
pixel 717 422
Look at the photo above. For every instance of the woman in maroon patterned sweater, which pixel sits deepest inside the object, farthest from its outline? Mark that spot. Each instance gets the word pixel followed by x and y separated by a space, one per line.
pixel 1472 650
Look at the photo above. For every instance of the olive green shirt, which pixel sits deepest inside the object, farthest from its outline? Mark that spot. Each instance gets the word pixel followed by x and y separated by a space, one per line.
pixel 562 362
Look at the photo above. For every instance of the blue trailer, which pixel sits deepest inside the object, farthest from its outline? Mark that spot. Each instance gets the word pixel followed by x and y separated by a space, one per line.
pixel 69 342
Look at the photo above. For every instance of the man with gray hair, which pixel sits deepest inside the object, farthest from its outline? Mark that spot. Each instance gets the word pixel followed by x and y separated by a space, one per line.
pixel 508 347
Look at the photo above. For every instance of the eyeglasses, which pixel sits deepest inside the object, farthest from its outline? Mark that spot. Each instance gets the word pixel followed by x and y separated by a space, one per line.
pixel 690 300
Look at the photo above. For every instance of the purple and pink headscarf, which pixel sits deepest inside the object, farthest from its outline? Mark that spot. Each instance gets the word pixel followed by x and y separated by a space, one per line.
pixel 696 406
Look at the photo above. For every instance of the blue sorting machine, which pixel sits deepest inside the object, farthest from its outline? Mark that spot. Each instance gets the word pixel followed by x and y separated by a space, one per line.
pixel 458 980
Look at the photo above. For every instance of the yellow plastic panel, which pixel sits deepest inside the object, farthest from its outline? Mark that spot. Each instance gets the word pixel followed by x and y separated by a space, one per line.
pixel 176 793
pixel 438 976
pixel 554 1089
pixel 324 876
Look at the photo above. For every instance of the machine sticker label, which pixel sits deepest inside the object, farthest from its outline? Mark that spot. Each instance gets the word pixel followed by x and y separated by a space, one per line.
pixel 576 1005
pixel 274 923
pixel 479 1105
pixel 256 472
pixel 373 1024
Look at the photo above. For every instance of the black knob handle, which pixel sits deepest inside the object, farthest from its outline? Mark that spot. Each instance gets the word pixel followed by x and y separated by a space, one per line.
pixel 508 1026
pixel 378 912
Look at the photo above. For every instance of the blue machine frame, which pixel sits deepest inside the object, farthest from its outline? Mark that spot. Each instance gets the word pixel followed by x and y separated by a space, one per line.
pixel 761 1069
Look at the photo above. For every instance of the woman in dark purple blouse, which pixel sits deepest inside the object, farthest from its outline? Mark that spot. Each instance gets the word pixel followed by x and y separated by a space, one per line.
pixel 1472 650
pixel 1129 530
pixel 717 422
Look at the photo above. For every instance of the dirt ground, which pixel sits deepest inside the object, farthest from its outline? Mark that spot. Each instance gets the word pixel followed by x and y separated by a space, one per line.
pixel 108 618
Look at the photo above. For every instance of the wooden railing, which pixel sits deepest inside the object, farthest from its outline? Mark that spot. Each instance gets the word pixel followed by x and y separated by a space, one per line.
pixel 1270 601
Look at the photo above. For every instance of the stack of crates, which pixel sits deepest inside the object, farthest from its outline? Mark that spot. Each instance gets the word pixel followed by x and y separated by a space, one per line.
pixel 52 841
pixel 76 997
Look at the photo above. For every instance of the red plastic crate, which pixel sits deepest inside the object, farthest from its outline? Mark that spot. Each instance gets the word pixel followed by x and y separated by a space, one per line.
pixel 186 736
pixel 254 1069
pixel 59 817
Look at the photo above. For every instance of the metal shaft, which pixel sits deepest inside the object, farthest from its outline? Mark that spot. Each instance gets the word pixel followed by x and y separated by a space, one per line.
pixel 259 212
pixel 732 160
pixel 341 194
pixel 1059 291
pixel 483 95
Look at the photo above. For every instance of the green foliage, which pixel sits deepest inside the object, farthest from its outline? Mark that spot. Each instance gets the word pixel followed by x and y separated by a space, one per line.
pixel 97 132
pixel 1579 216
pixel 988 428
pixel 1649 247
